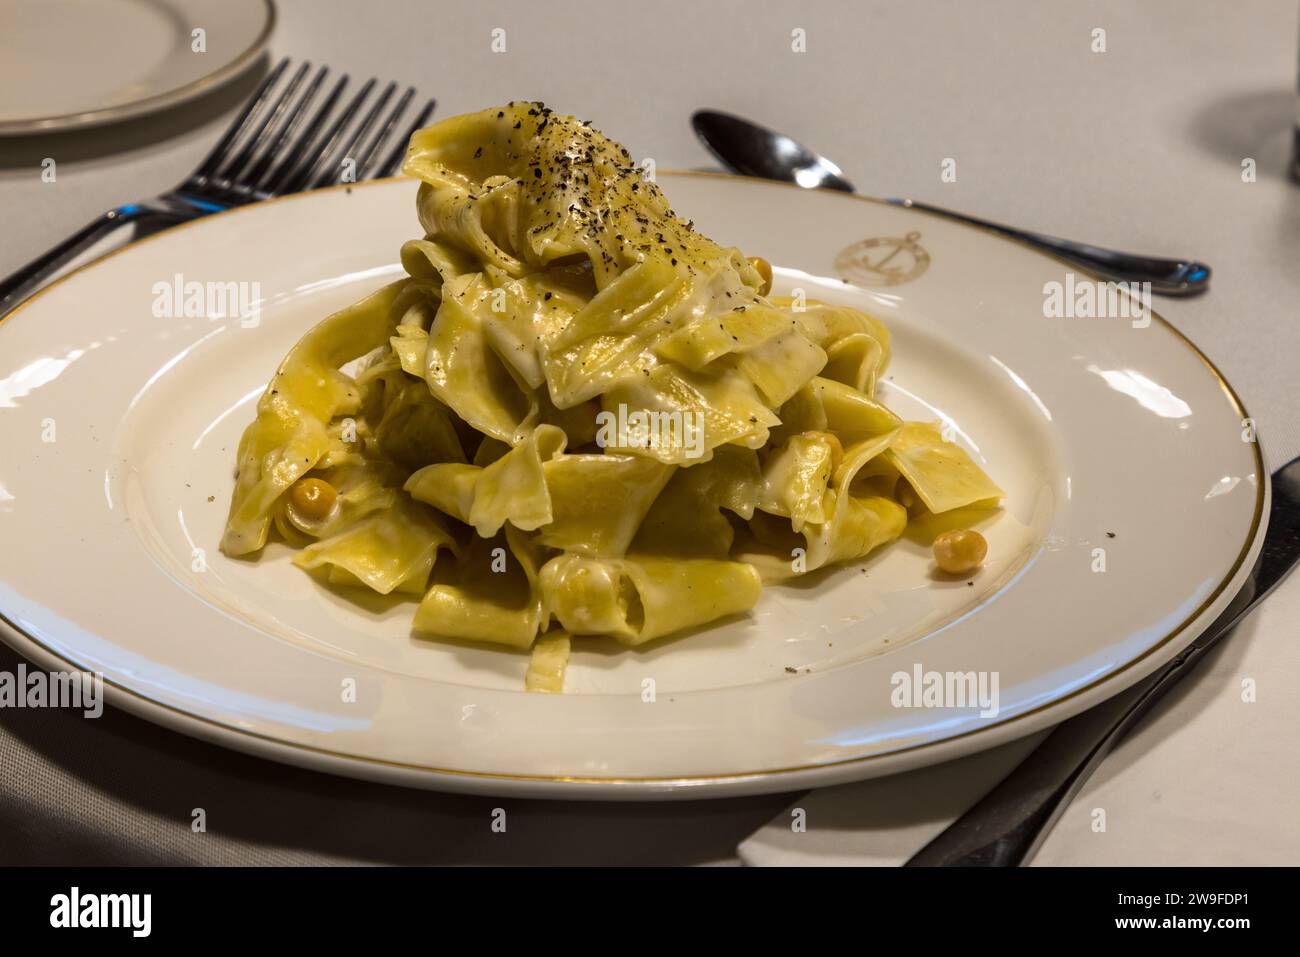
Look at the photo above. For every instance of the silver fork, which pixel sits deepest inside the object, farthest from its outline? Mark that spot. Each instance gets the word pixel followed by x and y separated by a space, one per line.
pixel 271 149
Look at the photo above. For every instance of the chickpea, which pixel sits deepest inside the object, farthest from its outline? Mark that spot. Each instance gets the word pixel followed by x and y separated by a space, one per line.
pixel 960 551
pixel 765 271
pixel 313 499
pixel 833 440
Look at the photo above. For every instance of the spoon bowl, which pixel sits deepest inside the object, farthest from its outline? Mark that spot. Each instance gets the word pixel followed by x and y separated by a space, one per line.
pixel 754 150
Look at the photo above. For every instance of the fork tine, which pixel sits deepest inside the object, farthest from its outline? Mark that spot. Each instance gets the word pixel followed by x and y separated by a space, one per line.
pixel 329 175
pixel 253 178
pixel 312 171
pixel 300 155
pixel 381 135
pixel 230 175
pixel 246 116
pixel 394 161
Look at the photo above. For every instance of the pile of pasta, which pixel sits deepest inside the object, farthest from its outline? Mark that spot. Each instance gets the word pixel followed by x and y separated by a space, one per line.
pixel 449 436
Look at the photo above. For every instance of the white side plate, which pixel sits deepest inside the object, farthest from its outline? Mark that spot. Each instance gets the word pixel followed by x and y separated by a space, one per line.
pixel 70 63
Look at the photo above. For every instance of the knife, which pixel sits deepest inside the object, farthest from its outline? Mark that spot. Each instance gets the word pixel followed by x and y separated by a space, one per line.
pixel 1008 824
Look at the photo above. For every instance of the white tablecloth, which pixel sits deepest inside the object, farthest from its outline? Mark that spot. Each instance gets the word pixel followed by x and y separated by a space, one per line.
pixel 1140 147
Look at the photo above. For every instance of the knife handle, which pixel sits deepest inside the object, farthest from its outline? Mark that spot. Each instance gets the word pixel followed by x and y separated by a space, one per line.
pixel 1009 823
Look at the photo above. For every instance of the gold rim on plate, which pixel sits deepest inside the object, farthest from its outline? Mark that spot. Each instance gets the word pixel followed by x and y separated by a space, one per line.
pixel 142 705
pixel 150 104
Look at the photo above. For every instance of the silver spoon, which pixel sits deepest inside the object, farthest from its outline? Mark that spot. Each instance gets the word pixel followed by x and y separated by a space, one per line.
pixel 753 150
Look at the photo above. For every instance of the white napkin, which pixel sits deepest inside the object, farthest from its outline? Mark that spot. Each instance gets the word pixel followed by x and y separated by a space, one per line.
pixel 1208 778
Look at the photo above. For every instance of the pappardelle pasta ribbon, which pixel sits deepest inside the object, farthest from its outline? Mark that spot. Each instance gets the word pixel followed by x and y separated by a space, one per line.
pixel 577 415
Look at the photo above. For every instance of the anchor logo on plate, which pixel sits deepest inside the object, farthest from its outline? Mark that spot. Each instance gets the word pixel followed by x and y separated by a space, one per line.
pixel 883 261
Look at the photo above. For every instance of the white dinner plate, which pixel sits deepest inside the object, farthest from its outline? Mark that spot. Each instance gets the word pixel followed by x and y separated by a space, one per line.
pixel 69 63
pixel 1134 510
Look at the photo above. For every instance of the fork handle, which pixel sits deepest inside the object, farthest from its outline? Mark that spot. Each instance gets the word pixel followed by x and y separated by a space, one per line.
pixel 37 273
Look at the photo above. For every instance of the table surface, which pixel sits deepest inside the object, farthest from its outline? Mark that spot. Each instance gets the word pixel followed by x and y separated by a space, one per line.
pixel 1140 147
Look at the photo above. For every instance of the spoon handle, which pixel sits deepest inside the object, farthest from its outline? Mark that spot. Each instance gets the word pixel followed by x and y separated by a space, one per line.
pixel 1168 277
